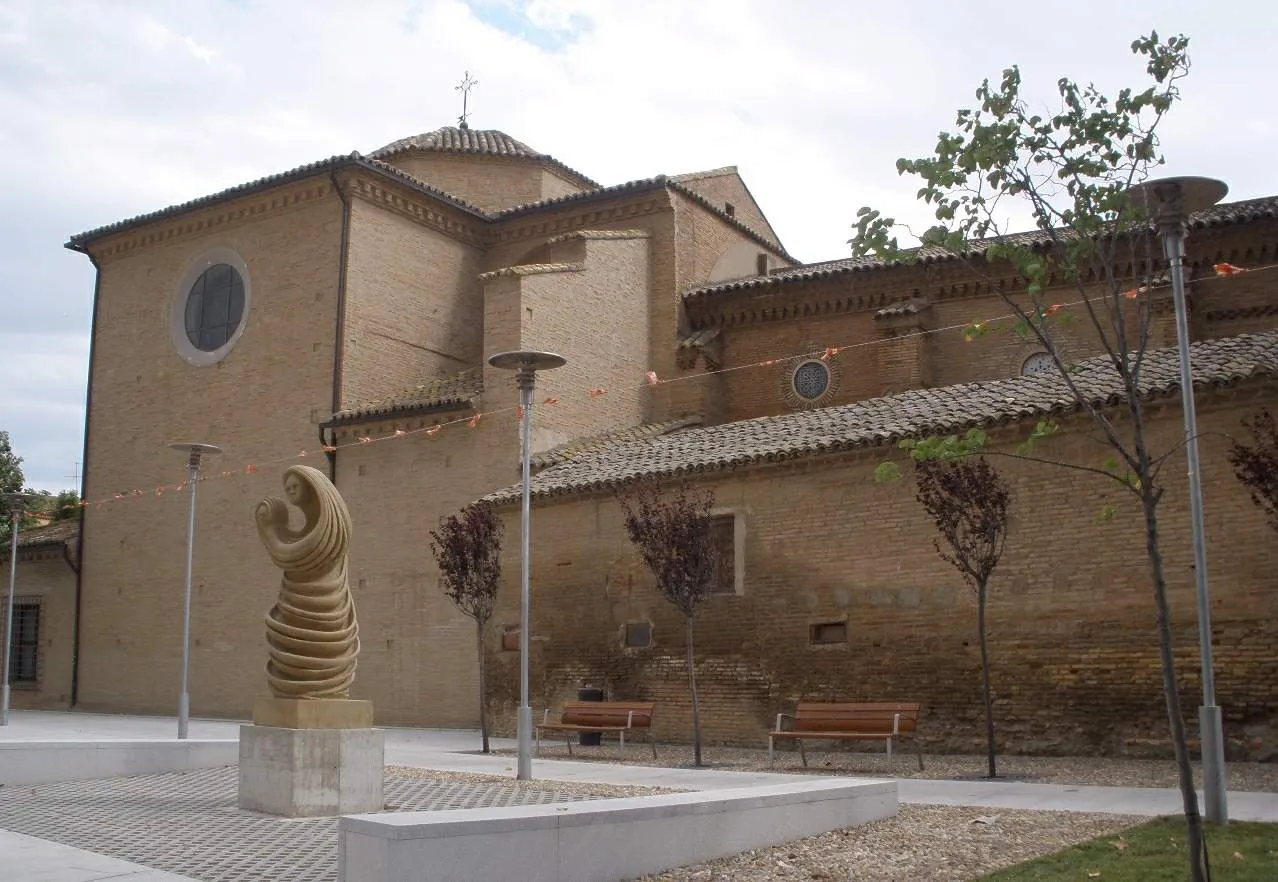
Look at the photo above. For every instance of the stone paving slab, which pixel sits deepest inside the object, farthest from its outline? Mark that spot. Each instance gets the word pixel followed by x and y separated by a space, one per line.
pixel 188 823
pixel 38 860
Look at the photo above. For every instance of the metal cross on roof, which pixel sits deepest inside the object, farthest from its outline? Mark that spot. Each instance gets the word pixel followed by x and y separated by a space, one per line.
pixel 464 87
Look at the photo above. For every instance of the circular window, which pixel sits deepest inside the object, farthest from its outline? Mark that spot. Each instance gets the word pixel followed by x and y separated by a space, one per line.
pixel 214 307
pixel 811 380
pixel 210 306
pixel 1038 363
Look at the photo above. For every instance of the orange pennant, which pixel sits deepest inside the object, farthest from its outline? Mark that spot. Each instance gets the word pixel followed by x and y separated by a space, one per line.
pixel 1055 308
pixel 301 454
pixel 432 431
pixel 474 421
pixel 330 448
pixel 521 411
pixel 365 440
pixel 159 491
pixel 597 391
pixel 250 469
pixel 652 378
pixel 552 400
pixel 399 433
pixel 1228 269
pixel 830 352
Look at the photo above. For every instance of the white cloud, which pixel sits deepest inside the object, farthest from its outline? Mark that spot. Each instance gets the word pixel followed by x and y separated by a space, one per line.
pixel 111 108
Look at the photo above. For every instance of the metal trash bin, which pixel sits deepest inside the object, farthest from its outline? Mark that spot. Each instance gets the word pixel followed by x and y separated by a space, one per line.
pixel 589 693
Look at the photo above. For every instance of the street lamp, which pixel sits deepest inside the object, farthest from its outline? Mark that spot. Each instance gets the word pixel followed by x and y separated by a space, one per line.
pixel 525 364
pixel 1168 201
pixel 16 501
pixel 194 452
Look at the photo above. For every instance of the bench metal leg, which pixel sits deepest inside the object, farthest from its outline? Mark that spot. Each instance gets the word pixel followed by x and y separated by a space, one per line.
pixel 568 744
pixel 537 733
pixel 889 748
pixel 772 760
pixel 652 742
pixel 803 753
pixel 621 747
pixel 918 746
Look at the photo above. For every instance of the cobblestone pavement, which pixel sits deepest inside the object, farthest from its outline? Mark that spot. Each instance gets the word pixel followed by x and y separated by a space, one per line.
pixel 188 822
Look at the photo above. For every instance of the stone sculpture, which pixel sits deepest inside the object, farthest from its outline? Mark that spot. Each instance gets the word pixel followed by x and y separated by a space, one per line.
pixel 312 632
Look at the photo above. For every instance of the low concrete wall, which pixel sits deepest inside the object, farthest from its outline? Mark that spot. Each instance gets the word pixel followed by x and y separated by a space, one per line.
pixel 600 840
pixel 42 762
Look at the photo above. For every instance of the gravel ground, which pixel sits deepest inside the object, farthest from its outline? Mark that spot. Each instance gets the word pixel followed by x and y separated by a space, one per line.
pixel 934 843
pixel 1262 777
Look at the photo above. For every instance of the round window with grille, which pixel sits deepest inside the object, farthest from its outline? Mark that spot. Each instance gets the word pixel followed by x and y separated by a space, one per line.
pixel 811 380
pixel 210 307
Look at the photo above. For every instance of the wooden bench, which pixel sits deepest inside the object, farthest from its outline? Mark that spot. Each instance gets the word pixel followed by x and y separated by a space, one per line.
pixel 604 717
pixel 884 720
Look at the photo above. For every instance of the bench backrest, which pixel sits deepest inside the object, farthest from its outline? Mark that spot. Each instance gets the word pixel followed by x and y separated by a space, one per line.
pixel 608 713
pixel 815 716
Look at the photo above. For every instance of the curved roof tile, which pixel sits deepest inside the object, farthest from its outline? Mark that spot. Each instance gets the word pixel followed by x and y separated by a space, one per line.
pixel 880 421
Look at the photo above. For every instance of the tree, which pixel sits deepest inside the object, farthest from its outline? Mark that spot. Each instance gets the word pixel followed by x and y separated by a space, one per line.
pixel 11 481
pixel 675 536
pixel 1257 466
pixel 467 548
pixel 969 502
pixel 1070 171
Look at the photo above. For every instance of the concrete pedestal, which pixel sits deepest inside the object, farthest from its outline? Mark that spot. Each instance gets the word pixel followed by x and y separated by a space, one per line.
pixel 320 766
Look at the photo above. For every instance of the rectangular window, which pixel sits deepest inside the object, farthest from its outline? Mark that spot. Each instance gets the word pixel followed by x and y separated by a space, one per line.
pixel 828 633
pixel 723 528
pixel 24 653
pixel 638 634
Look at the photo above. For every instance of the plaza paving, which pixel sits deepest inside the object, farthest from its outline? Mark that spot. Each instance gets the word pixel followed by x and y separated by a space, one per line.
pixel 134 829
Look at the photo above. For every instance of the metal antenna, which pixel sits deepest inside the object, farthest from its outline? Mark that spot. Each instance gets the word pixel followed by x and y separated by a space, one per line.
pixel 464 87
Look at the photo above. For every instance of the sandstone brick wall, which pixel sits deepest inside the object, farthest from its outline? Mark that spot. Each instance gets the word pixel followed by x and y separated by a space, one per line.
pixel 413 310
pixel 489 182
pixel 1071 612
pixel 418 656
pixel 727 188
pixel 596 318
pixel 44 578
pixel 261 404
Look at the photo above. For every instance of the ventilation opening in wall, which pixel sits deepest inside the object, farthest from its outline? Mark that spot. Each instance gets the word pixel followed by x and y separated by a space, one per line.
pixel 638 634
pixel 730 209
pixel 828 633
pixel 510 639
pixel 762 263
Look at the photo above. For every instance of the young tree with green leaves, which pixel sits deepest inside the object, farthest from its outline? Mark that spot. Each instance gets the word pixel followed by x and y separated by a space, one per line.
pixel 467 548
pixel 1256 465
pixel 675 537
pixel 970 505
pixel 1070 171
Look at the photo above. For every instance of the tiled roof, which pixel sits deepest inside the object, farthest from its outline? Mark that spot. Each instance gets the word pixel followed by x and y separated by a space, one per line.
pixel 886 420
pixel 531 269
pixel 597 234
pixel 80 240
pixel 56 533
pixel 1216 216
pixel 475 142
pixel 458 390
pixel 579 446
pixel 708 173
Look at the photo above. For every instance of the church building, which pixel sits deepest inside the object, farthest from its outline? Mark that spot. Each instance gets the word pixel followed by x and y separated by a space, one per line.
pixel 341 315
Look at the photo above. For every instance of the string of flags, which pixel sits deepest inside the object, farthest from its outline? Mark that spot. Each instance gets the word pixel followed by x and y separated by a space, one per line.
pixel 651 379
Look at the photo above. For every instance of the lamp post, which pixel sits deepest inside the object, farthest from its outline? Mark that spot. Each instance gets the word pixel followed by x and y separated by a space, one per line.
pixel 1168 201
pixel 194 452
pixel 525 364
pixel 16 501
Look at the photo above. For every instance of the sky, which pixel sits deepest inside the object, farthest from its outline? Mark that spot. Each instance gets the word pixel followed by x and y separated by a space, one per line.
pixel 113 108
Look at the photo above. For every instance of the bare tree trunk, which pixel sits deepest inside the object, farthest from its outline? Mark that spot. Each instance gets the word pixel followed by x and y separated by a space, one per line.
pixel 1198 859
pixel 985 676
pixel 483 686
pixel 696 710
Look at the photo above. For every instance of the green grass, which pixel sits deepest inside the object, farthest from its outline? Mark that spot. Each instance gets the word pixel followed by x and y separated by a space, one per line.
pixel 1154 852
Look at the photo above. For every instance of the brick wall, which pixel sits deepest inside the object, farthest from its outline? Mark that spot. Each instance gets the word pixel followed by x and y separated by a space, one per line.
pixel 728 188
pixel 413 311
pixel 261 404
pixel 1072 635
pixel 489 182
pixel 44 578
